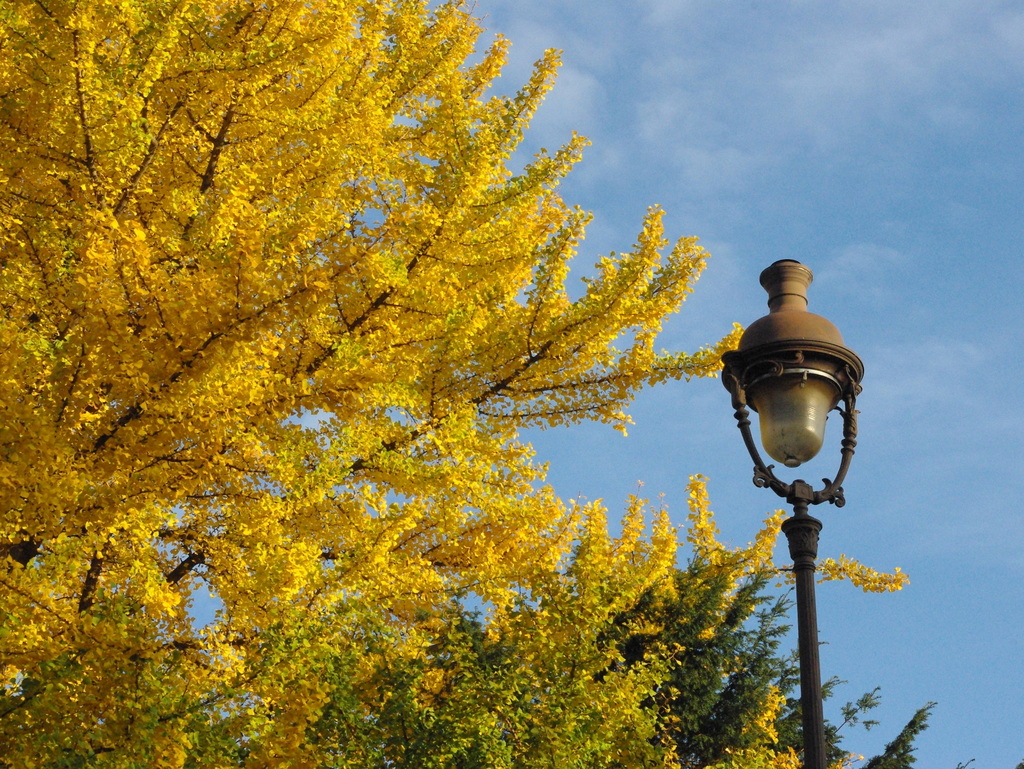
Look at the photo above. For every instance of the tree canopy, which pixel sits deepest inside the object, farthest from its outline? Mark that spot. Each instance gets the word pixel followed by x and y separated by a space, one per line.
pixel 275 307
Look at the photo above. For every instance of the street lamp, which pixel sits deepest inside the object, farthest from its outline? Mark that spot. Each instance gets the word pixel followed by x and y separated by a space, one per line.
pixel 793 369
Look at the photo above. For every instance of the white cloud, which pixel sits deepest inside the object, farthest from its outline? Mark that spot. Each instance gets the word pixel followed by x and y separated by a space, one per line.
pixel 818 75
pixel 741 88
pixel 571 106
pixel 717 169
pixel 921 375
pixel 1008 28
pixel 868 270
pixel 672 14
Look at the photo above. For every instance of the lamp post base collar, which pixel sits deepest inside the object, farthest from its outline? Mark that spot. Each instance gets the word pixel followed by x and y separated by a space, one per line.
pixel 802 534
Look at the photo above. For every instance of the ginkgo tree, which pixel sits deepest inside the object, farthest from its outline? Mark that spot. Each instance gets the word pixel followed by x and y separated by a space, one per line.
pixel 274 308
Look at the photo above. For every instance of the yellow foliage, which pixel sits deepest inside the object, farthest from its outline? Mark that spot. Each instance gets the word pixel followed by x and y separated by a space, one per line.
pixel 274 307
pixel 867 579
pixel 738 563
pixel 702 533
pixel 757 556
pixel 760 758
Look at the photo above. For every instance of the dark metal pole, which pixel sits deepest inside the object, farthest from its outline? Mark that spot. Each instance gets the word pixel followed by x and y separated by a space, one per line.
pixel 787 347
pixel 802 533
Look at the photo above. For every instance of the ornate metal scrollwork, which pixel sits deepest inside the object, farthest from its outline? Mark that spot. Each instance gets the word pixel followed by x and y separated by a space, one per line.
pixel 764 475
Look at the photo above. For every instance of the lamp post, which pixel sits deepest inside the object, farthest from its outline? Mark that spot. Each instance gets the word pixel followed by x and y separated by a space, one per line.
pixel 792 368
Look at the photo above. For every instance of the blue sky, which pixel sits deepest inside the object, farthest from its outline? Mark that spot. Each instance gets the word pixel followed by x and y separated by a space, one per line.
pixel 879 143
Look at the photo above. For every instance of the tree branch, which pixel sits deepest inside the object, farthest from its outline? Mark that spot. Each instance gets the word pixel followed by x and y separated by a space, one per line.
pixel 92 580
pixel 219 142
pixel 179 572
pixel 22 552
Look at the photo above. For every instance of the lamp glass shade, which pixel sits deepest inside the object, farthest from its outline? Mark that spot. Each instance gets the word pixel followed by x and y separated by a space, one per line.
pixel 792 410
